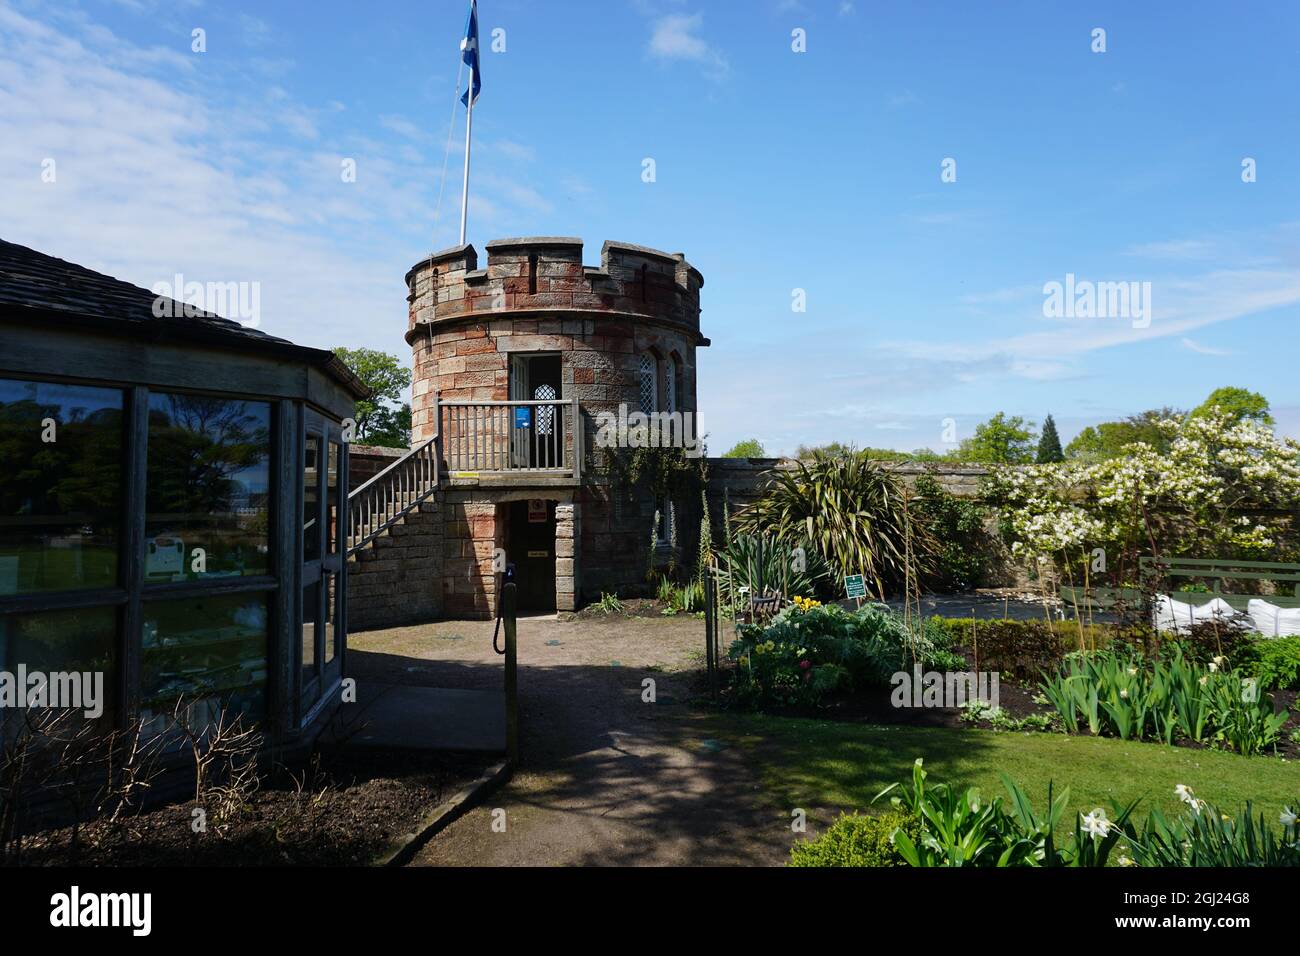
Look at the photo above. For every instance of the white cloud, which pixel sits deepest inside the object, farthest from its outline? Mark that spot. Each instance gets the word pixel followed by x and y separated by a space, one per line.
pixel 163 170
pixel 676 37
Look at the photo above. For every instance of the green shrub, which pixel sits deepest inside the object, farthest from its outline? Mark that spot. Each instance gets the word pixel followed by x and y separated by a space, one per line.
pixel 1278 663
pixel 856 513
pixel 961 828
pixel 761 563
pixel 802 655
pixel 858 840
pixel 1206 836
pixel 1120 693
pixel 957 526
pixel 1018 650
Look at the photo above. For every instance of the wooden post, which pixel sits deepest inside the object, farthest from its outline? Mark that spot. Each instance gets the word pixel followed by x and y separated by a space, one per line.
pixel 512 673
pixel 710 624
pixel 577 440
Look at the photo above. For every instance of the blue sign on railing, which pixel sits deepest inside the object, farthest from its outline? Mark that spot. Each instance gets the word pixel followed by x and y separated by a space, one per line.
pixel 523 417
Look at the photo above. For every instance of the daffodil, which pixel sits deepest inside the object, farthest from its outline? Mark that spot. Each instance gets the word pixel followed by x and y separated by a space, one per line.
pixel 1095 823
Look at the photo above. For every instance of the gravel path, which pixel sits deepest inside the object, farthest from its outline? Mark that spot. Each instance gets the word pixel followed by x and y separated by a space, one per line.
pixel 605 778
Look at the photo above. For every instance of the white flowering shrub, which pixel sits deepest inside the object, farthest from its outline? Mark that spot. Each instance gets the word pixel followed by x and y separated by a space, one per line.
pixel 1202 497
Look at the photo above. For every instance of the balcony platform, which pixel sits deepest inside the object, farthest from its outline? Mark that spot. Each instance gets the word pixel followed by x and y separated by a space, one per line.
pixel 510 479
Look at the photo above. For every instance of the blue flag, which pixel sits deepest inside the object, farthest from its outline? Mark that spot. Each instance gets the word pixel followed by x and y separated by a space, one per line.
pixel 469 51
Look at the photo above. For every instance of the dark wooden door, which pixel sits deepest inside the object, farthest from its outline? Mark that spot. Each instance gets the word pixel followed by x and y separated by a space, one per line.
pixel 532 551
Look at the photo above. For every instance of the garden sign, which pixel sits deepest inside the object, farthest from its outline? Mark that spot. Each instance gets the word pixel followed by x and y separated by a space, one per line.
pixel 855 586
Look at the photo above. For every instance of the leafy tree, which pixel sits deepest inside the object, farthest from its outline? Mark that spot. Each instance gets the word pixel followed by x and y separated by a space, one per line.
pixel 1000 440
pixel 833 449
pixel 749 448
pixel 1109 439
pixel 1049 444
pixel 383 418
pixel 1239 403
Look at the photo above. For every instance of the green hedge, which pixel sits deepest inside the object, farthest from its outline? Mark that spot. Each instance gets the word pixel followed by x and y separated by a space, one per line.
pixel 857 840
pixel 1277 666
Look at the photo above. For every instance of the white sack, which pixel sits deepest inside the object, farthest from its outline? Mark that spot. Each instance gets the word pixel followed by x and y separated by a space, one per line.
pixel 1177 617
pixel 1273 621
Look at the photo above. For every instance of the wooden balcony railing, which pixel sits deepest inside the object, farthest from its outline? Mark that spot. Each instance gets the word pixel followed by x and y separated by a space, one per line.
pixel 543 436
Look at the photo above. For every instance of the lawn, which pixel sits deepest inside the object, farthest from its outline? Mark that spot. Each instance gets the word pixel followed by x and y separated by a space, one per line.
pixel 824 765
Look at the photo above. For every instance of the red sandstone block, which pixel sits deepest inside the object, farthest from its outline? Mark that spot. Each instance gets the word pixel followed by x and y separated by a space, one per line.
pixel 475 347
pixel 551 300
pixel 482 362
pixel 565 269
pixel 584 376
pixel 593 300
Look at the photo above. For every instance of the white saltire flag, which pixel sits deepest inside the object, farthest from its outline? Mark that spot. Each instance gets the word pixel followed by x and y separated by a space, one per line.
pixel 469 52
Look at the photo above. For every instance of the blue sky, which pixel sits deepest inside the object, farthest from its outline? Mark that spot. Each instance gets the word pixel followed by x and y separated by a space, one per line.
pixel 775 171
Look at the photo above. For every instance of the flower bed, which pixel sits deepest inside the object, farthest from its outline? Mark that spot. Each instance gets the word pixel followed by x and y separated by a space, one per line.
pixel 809 651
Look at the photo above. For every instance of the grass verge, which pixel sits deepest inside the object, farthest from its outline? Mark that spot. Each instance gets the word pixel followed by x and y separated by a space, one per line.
pixel 825 766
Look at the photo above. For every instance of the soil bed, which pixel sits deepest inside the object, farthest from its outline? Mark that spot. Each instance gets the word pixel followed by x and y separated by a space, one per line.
pixel 347 812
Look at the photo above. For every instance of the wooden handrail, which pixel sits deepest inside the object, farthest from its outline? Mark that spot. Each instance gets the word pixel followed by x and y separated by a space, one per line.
pixel 396 491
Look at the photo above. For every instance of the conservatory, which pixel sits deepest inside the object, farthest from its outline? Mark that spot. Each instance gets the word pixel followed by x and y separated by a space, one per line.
pixel 171 484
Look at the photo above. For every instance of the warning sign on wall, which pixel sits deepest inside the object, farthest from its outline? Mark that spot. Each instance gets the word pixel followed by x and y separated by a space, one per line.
pixel 537 510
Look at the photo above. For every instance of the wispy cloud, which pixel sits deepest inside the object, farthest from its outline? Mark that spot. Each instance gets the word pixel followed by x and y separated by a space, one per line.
pixel 1181 249
pixel 1195 346
pixel 163 169
pixel 677 37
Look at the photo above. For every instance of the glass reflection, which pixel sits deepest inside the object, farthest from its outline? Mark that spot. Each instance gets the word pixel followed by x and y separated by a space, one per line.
pixel 208 486
pixel 209 650
pixel 60 486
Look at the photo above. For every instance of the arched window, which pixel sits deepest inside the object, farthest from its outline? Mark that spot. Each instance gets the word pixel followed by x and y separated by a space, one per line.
pixel 649 383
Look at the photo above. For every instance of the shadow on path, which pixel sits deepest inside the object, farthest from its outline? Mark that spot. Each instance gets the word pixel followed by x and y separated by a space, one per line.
pixel 605 778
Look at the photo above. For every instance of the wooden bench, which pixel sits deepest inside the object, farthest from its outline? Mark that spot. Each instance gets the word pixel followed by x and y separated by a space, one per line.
pixel 1216 569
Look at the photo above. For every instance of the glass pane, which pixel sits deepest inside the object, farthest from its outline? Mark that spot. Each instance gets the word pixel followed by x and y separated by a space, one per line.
pixel 207 488
pixel 311 500
pixel 332 498
pixel 209 648
pixel 310 611
pixel 331 607
pixel 83 641
pixel 60 486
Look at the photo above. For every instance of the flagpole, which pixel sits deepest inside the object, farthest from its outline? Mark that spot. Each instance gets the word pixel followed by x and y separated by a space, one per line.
pixel 469 126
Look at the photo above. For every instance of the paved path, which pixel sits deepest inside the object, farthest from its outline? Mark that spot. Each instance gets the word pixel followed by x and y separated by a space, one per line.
pixel 605 778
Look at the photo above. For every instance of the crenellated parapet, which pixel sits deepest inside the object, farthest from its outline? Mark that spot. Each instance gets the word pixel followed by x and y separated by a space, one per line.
pixel 546 274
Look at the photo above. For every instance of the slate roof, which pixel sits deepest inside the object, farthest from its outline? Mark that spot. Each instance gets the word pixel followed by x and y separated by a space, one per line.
pixel 36 285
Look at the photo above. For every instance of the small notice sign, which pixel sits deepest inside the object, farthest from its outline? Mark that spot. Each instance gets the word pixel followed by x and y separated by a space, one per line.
pixel 537 510
pixel 539 554
pixel 523 417
pixel 855 586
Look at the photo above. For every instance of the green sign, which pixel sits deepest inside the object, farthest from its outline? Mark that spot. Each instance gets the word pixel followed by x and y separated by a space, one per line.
pixel 854 586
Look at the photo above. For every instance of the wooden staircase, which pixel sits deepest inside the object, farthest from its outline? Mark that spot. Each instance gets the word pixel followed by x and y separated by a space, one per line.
pixel 390 495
